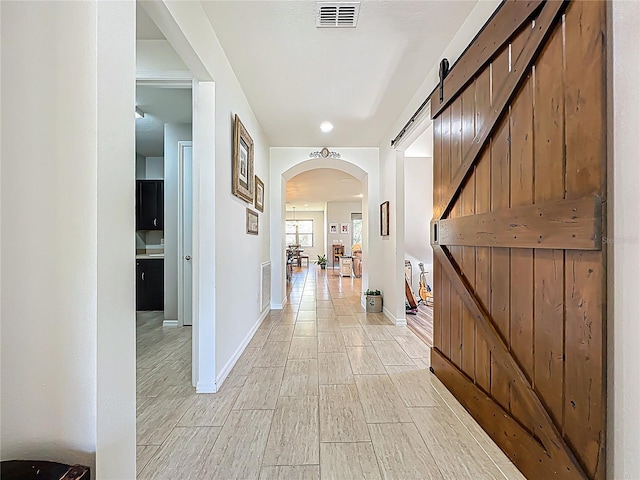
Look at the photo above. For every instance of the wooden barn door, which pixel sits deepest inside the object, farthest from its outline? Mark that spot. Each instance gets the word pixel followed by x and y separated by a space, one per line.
pixel 520 176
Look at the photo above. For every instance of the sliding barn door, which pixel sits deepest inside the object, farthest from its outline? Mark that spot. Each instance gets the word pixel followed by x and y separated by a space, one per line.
pixel 520 176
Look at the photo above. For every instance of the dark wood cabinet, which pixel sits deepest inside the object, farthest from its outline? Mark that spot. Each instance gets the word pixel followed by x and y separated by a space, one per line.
pixel 149 284
pixel 149 205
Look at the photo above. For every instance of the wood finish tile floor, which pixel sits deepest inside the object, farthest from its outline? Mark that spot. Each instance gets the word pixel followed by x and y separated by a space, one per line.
pixel 422 323
pixel 323 391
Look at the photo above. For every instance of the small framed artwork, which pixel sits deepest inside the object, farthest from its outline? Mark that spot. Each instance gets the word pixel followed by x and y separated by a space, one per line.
pixel 344 228
pixel 252 222
pixel 384 219
pixel 242 177
pixel 259 195
pixel 333 228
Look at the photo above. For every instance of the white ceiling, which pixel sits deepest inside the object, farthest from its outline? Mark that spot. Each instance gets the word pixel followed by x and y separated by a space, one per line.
pixel 312 189
pixel 160 106
pixel 296 75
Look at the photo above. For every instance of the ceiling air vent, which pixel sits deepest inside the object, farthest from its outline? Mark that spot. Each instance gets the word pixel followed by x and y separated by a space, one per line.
pixel 337 14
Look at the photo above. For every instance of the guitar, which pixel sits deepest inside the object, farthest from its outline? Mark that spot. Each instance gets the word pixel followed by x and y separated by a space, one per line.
pixel 425 291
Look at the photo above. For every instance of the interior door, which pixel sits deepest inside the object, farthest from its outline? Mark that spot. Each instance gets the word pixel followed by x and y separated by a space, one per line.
pixel 186 227
pixel 519 269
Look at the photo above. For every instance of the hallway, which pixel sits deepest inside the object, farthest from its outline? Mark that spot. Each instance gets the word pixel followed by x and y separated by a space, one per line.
pixel 323 390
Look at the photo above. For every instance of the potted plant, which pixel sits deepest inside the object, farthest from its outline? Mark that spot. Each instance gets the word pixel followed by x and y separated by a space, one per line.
pixel 322 261
pixel 374 301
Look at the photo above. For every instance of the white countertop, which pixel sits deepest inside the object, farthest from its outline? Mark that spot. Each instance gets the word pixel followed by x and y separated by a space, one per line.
pixel 150 256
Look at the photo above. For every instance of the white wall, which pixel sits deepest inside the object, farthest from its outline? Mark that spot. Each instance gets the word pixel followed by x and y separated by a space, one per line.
pixel 68 348
pixel 392 257
pixel 340 212
pixel 154 56
pixel 418 207
pixel 115 450
pixel 173 133
pixel 141 167
pixel 318 232
pixel 149 168
pixel 154 168
pixel 624 244
pixel 286 163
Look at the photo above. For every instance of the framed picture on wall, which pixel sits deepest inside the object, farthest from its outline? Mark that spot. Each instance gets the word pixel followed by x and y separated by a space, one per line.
pixel 384 219
pixel 252 222
pixel 344 228
pixel 242 175
pixel 259 194
pixel 333 228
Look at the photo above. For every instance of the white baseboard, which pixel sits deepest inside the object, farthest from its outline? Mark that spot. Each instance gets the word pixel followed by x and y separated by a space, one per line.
pixel 279 306
pixel 398 322
pixel 206 387
pixel 232 361
pixel 170 323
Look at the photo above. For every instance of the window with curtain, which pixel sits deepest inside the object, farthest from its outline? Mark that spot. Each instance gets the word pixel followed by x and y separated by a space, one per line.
pixel 300 232
pixel 356 228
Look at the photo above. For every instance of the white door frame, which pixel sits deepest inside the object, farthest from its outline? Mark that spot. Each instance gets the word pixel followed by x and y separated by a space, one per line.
pixel 182 144
pixel 203 145
pixel 420 124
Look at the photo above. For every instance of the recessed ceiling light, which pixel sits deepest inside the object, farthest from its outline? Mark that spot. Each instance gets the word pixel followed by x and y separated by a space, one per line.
pixel 326 127
pixel 306 204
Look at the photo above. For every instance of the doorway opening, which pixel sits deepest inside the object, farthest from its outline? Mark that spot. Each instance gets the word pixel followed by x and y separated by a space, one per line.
pixel 418 254
pixel 163 227
pixel 321 205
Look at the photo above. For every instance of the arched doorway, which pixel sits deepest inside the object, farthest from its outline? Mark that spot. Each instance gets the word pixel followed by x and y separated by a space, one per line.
pixel 286 164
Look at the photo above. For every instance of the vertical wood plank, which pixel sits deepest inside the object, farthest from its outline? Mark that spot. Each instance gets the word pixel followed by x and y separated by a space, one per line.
pixel 445 287
pixel 437 159
pixel 468 265
pixel 500 257
pixel 456 252
pixel 456 144
pixel 437 302
pixel 437 196
pixel 549 121
pixel 483 204
pixel 585 402
pixel 522 295
pixel 445 126
pixel 585 352
pixel 585 98
pixel 549 264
